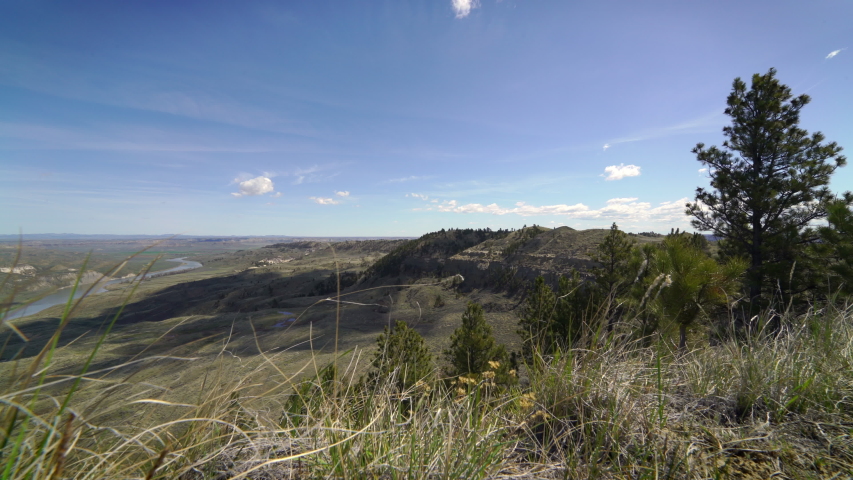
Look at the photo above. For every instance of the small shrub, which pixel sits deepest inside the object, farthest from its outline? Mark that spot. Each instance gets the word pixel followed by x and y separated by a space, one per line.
pixel 439 302
pixel 402 355
pixel 473 351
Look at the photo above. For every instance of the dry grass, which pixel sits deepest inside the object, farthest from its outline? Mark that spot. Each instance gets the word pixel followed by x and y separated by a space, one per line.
pixel 757 406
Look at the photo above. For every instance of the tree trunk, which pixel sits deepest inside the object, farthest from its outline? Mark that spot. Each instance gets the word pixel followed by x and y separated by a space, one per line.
pixel 756 264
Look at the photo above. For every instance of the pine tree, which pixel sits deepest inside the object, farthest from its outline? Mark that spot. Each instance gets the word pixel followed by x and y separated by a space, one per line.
pixel 691 281
pixel 769 182
pixel 613 255
pixel 473 349
pixel 838 239
pixel 573 306
pixel 535 319
pixel 401 353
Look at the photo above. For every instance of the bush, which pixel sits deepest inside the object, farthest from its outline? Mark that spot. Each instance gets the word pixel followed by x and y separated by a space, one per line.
pixel 692 282
pixel 535 320
pixel 838 236
pixel 439 302
pixel 403 356
pixel 473 350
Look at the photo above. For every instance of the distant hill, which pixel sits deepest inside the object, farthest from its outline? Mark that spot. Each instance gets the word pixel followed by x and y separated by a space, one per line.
pixel 111 237
pixel 496 258
pixel 428 253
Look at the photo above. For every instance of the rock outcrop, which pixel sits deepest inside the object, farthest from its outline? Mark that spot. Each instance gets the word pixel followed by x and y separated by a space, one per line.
pixel 525 254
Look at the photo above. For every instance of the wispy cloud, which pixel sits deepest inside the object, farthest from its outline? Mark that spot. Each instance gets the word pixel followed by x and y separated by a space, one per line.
pixel 418 195
pixel 622 209
pixel 605 147
pixel 407 179
pixel 276 195
pixel 253 187
pixel 104 137
pixel 834 53
pixel 312 174
pixel 462 8
pixel 343 193
pixel 324 201
pixel 27 71
pixel 618 172
pixel 705 124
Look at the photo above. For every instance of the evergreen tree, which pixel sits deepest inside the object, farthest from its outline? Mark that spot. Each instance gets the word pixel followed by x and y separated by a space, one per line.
pixel 769 182
pixel 473 349
pixel 573 306
pixel 613 255
pixel 690 281
pixel 401 353
pixel 535 319
pixel 838 238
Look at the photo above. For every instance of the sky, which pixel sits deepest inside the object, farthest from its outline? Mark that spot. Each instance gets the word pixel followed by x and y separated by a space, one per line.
pixel 388 118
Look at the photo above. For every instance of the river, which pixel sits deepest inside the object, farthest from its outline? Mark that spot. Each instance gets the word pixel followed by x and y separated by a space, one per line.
pixel 60 297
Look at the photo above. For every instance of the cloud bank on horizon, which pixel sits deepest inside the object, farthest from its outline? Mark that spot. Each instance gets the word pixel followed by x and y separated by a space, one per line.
pixel 616 209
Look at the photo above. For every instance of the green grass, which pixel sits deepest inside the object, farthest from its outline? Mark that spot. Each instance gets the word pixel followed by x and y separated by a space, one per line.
pixel 196 397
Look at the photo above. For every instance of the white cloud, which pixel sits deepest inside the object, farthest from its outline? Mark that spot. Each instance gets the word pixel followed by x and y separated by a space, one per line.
pixel 615 209
pixel 605 147
pixel 463 7
pixel 613 201
pixel 324 201
pixel 521 208
pixel 253 187
pixel 618 172
pixel 418 195
pixel 344 193
pixel 834 53
pixel 276 195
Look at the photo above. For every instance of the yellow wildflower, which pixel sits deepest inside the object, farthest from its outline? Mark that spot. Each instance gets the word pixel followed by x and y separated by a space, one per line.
pixel 422 386
pixel 526 400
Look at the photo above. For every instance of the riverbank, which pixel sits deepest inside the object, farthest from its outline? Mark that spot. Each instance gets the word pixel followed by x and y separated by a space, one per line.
pixel 101 285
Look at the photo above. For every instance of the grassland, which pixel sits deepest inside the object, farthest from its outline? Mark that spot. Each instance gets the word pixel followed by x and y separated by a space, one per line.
pixel 195 380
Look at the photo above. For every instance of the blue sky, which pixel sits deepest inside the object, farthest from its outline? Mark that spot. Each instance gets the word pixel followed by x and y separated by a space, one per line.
pixel 390 118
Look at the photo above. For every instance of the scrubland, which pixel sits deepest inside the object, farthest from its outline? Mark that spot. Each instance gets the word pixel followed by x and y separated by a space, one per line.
pixel 227 386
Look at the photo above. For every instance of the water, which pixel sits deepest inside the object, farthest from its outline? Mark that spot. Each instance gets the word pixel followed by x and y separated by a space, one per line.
pixel 61 295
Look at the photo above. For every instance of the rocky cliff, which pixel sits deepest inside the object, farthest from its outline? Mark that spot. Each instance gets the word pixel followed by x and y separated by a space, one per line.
pixel 525 254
